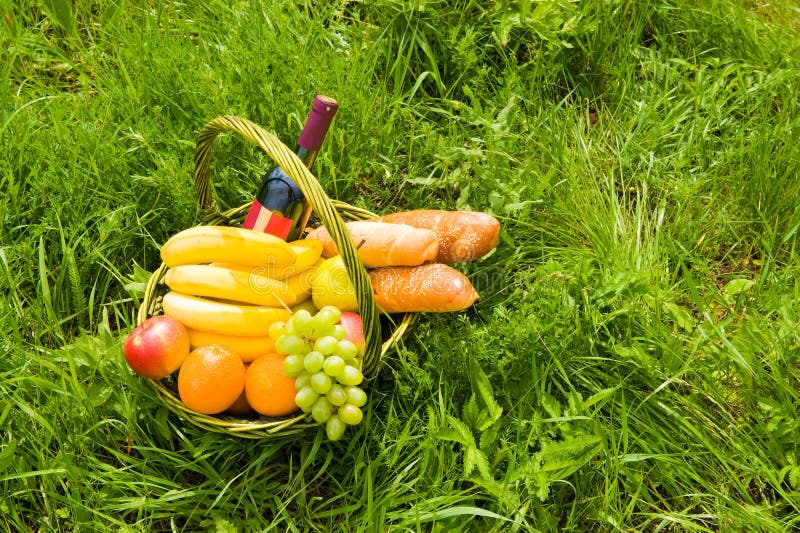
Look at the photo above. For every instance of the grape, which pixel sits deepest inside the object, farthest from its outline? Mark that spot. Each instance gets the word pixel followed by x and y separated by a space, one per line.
pixel 276 329
pixel 325 365
pixel 306 398
pixel 303 380
pixel 326 332
pixel 356 396
pixel 322 409
pixel 301 321
pixel 293 365
pixel 347 349
pixel 326 345
pixel 333 366
pixel 320 326
pixel 329 315
pixel 321 382
pixel 339 332
pixel 335 427
pixel 288 343
pixel 313 361
pixel 338 395
pixel 351 376
pixel 350 414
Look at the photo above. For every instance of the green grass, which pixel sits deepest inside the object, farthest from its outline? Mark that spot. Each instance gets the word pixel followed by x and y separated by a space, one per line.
pixel 633 363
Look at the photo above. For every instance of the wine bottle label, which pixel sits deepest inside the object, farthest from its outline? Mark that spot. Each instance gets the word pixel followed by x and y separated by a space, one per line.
pixel 259 218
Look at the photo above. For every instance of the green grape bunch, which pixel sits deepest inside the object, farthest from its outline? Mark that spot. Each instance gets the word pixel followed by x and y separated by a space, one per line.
pixel 326 368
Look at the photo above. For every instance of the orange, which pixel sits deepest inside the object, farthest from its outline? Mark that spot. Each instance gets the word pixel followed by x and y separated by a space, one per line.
pixel 269 390
pixel 241 406
pixel 211 378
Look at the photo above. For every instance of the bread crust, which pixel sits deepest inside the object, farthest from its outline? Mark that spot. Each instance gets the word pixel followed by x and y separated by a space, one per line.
pixel 382 244
pixel 462 235
pixel 428 288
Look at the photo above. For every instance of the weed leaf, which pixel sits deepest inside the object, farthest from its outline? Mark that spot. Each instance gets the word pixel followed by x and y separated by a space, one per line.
pixel 60 12
pixel 7 455
pixel 566 457
pixel 482 388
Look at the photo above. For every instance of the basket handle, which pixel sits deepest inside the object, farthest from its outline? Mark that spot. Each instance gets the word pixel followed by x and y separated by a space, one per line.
pixel 320 203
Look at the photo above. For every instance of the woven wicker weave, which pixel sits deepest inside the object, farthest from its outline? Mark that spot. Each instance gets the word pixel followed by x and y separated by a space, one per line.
pixel 332 214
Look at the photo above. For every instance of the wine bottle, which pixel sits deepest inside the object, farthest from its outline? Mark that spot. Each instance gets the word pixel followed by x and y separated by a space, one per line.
pixel 279 208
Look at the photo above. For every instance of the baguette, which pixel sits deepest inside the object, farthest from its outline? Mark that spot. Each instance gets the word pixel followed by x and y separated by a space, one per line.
pixel 381 244
pixel 462 235
pixel 428 288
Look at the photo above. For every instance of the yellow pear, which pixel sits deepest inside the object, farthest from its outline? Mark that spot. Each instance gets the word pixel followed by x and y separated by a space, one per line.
pixel 332 286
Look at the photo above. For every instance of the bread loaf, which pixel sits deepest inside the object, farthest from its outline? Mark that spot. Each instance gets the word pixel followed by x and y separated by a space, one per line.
pixel 382 244
pixel 462 235
pixel 428 288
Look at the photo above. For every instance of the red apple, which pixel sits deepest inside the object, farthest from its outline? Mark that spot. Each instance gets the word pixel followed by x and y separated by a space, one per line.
pixel 354 329
pixel 157 347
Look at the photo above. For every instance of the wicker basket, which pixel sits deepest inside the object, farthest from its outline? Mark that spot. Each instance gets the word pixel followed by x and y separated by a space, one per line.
pixel 331 214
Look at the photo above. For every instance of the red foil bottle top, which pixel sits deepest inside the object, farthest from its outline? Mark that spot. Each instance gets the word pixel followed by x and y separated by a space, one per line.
pixel 319 119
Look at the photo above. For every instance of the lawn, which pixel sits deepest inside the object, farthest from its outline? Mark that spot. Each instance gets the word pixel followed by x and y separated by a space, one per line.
pixel 633 363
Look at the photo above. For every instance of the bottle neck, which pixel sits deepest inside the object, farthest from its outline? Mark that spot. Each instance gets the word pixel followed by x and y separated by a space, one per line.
pixel 307 156
pixel 279 208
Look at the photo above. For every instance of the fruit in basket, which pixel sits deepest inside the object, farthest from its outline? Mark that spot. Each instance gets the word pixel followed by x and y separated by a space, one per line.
pixel 221 317
pixel 354 329
pixel 269 391
pixel 156 347
pixel 331 286
pixel 335 428
pixel 246 347
pixel 211 379
pixel 241 406
pixel 350 414
pixel 308 253
pixel 300 284
pixel 326 367
pixel 209 244
pixel 356 396
pixel 232 284
pixel 308 305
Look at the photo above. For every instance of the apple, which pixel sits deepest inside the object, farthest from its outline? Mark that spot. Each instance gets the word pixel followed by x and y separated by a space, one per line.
pixel 354 329
pixel 157 347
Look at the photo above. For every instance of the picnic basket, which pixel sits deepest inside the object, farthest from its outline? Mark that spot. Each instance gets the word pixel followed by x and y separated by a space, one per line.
pixel 332 214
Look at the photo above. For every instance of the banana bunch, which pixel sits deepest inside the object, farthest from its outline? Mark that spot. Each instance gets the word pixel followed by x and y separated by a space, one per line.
pixel 228 285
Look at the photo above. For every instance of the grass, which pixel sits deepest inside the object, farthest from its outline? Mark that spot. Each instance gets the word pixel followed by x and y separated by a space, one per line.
pixel 633 363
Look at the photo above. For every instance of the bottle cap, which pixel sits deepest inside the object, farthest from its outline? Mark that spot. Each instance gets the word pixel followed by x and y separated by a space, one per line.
pixel 319 120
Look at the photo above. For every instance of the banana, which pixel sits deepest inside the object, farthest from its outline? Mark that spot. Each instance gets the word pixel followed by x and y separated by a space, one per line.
pixel 299 286
pixel 223 318
pixel 309 252
pixel 248 348
pixel 207 244
pixel 242 284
